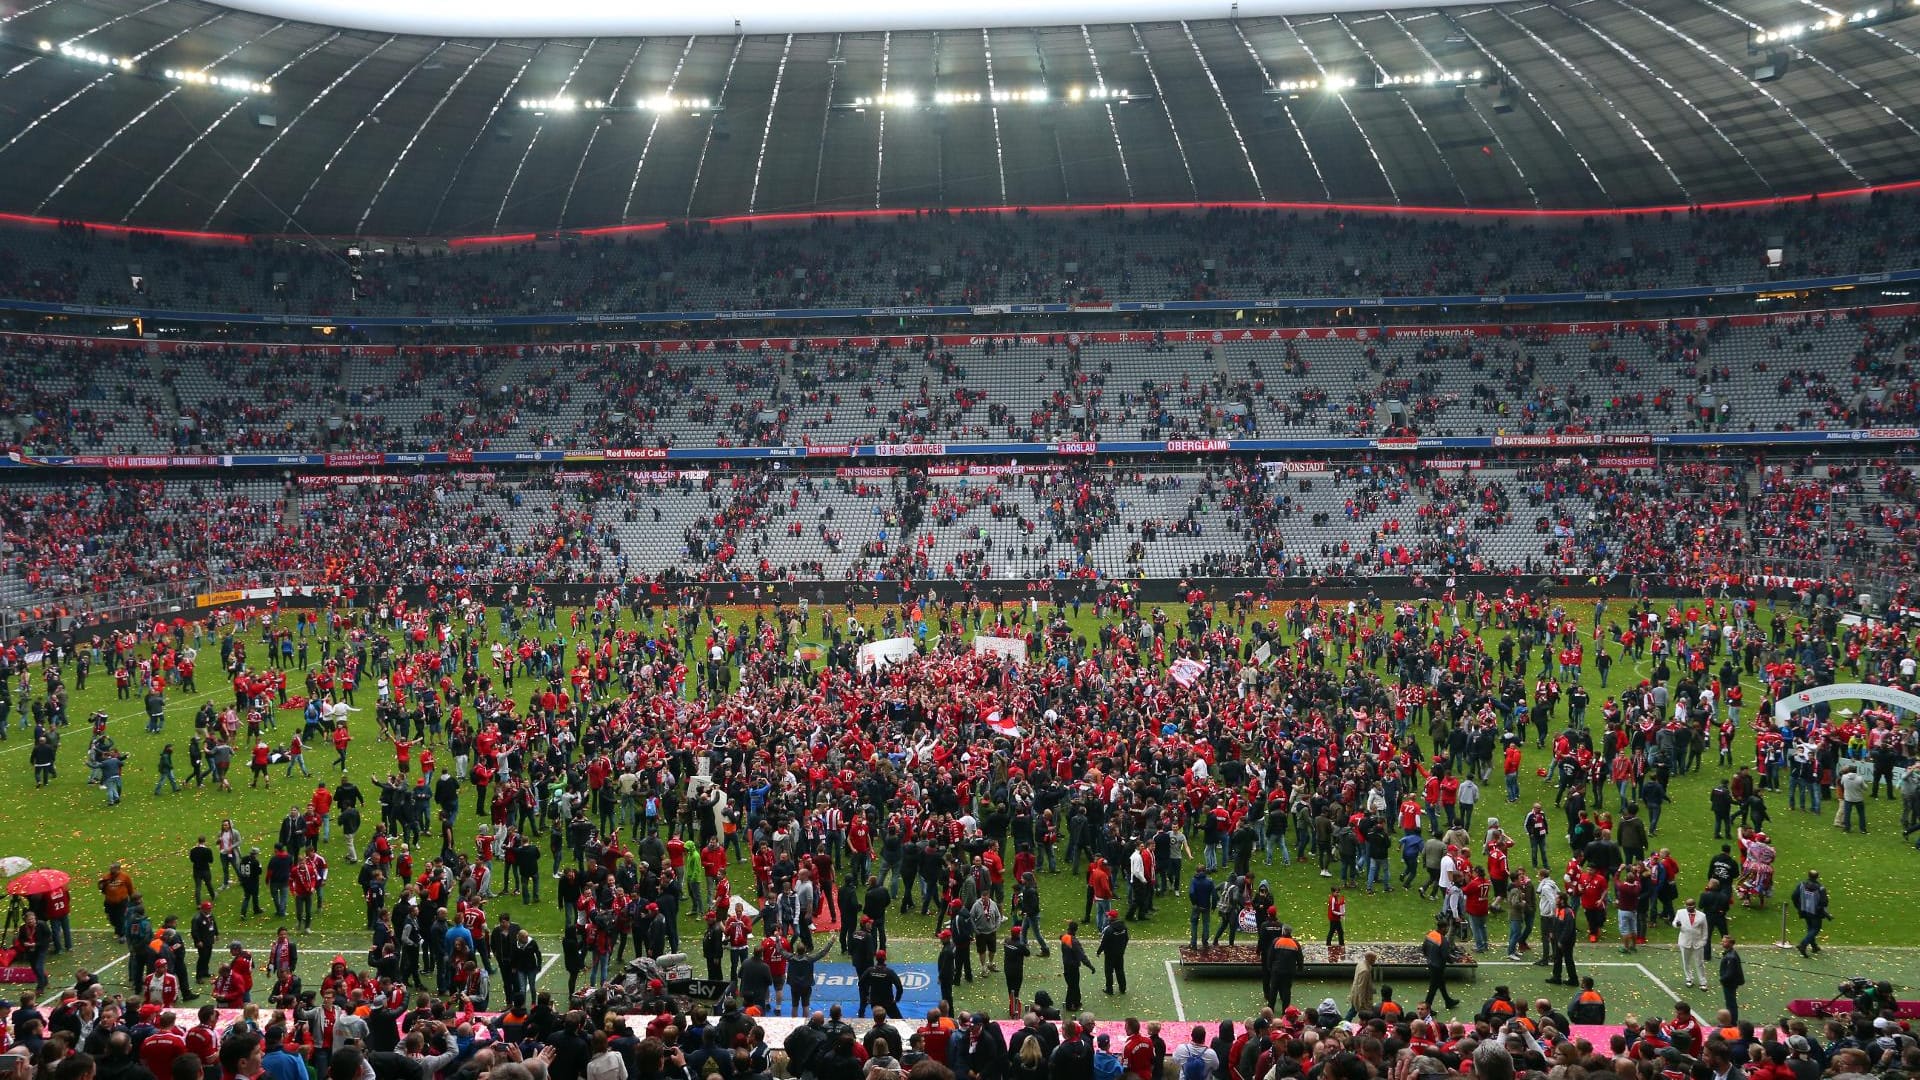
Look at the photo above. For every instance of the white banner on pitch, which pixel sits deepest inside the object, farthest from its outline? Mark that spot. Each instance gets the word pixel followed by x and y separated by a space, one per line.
pixel 884 653
pixel 987 644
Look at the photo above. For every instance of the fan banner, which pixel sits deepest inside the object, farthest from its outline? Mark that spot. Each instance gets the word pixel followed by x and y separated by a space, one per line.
pixel 1186 672
pixel 884 654
pixel 1012 647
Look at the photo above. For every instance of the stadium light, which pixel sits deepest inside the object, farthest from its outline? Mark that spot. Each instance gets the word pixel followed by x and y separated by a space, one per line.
pixel 666 104
pixel 960 98
pixel 907 99
pixel 1757 40
pixel 1414 80
pixel 662 103
pixel 1436 77
pixel 1102 93
pixel 87 56
pixel 236 83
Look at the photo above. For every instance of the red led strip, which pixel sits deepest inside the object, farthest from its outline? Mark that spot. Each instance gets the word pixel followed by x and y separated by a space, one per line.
pixel 503 238
pixel 1058 208
pixel 176 234
pixel 1311 207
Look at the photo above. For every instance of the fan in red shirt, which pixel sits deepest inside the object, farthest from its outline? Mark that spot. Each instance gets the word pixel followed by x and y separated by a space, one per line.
pixel 1479 901
pixel 713 859
pixel 162 988
pixel 1592 886
pixel 1684 1030
pixel 1626 896
pixel 200 1039
pixel 242 965
pixel 860 843
pixel 158 1050
pixel 1138 1052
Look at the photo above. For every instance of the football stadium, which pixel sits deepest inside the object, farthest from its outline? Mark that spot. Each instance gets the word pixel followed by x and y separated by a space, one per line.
pixel 1145 540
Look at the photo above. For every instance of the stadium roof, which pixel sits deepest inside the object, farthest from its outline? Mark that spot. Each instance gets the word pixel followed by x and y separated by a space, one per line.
pixel 619 18
pixel 185 114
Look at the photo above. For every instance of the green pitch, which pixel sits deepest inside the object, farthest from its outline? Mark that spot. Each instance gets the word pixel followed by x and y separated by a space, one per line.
pixel 69 826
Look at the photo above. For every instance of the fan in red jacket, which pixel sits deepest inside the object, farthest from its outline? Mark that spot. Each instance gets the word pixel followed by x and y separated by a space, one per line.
pixel 161 988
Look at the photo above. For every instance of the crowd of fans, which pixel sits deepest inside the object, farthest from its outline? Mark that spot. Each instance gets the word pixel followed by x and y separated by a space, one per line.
pixel 1815 371
pixel 848 790
pixel 387 1037
pixel 92 543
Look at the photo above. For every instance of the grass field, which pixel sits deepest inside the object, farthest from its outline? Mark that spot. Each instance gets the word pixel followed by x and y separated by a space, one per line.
pixel 69 826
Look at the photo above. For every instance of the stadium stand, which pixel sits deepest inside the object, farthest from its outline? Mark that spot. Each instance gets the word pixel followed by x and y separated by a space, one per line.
pixel 1699 523
pixel 1808 371
pixel 967 259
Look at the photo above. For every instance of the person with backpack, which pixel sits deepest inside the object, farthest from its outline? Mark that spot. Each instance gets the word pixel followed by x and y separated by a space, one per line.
pixel 1201 895
pixel 1232 899
pixel 1194 1058
pixel 1810 900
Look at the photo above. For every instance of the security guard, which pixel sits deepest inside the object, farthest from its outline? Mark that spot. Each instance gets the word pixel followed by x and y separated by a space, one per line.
pixel 1114 938
pixel 1285 958
pixel 1438 950
pixel 1587 1006
pixel 1073 957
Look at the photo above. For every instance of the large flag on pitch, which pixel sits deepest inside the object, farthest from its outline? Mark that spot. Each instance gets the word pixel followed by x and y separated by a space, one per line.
pixel 1186 672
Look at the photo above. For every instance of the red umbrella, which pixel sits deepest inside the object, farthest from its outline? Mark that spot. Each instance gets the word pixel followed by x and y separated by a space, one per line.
pixel 38 882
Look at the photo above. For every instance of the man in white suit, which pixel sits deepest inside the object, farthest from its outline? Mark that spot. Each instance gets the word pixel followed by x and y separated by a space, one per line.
pixel 1692 924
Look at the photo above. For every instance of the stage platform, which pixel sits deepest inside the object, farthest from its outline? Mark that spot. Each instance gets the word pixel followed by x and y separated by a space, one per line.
pixel 1396 961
